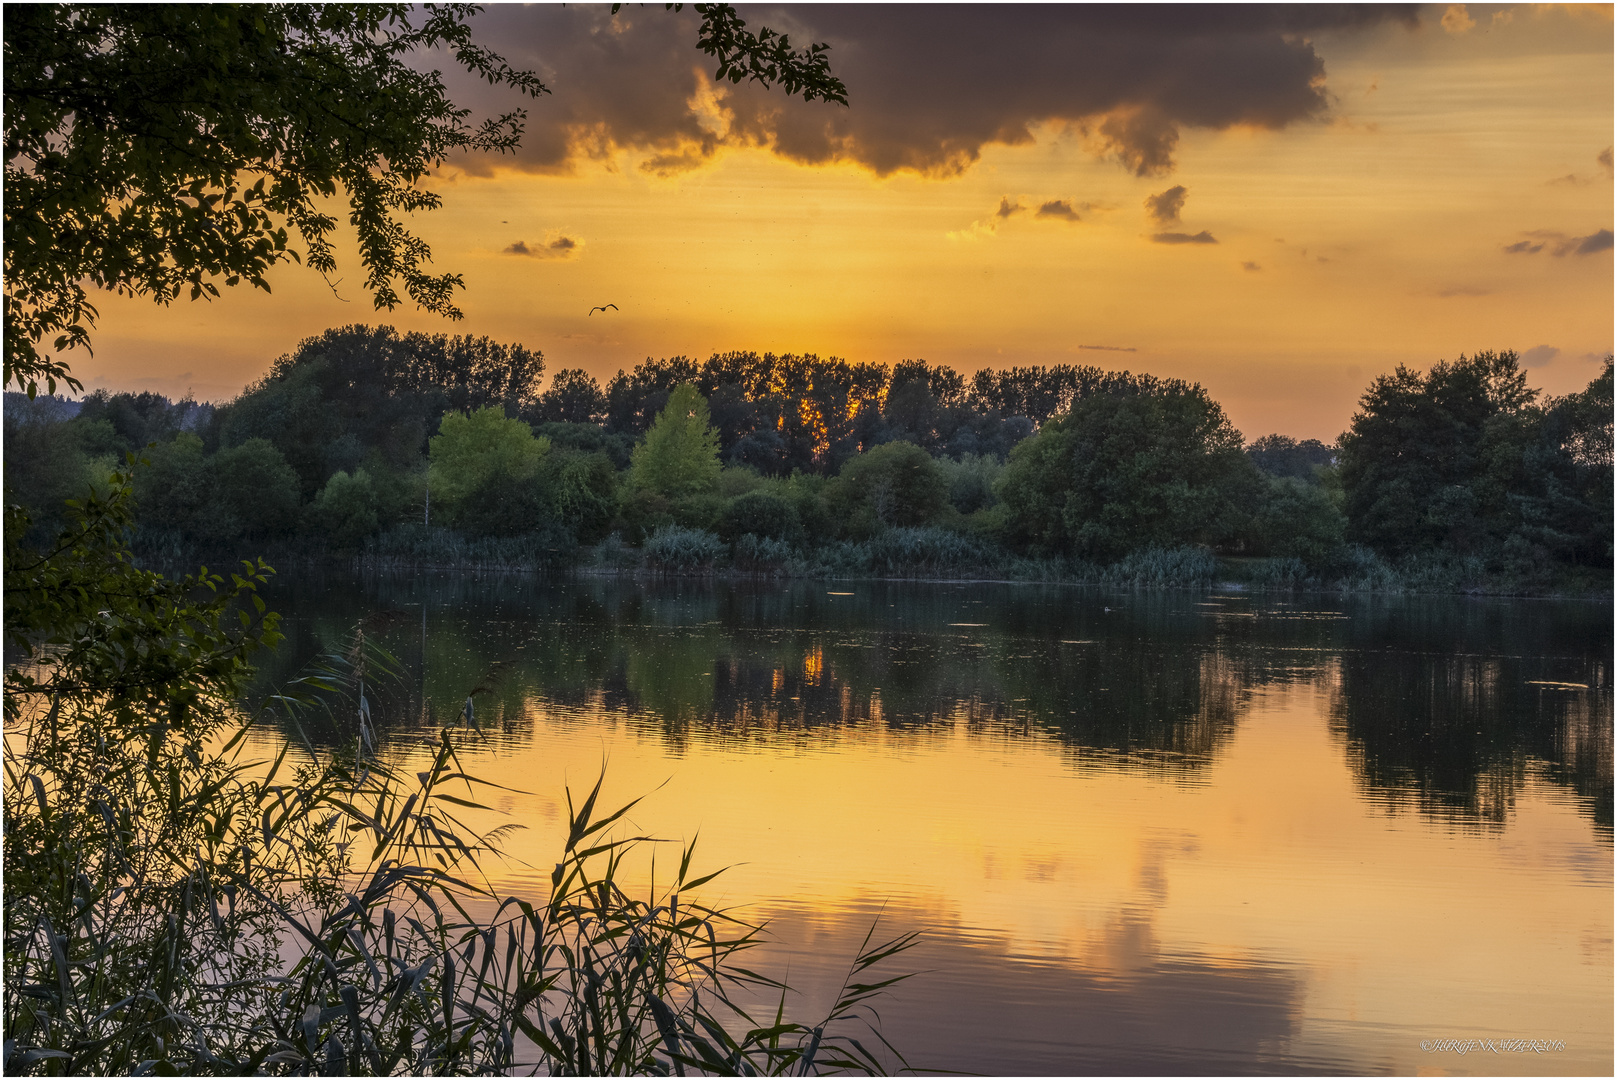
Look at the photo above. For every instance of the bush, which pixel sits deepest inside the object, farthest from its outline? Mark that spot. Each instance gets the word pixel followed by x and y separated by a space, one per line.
pixel 1281 573
pixel 918 552
pixel 1297 519
pixel 971 481
pixel 764 515
pixel 413 544
pixel 344 512
pixel 683 550
pixel 895 485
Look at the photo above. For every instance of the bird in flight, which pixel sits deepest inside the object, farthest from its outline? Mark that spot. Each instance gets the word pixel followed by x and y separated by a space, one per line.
pixel 603 307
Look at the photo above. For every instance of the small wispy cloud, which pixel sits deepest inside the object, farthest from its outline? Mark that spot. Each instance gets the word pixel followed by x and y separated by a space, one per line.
pixel 1251 266
pixel 1203 237
pixel 1449 291
pixel 1539 355
pixel 1560 244
pixel 1457 20
pixel 554 246
pixel 1604 159
pixel 1058 209
pixel 1165 207
pixel 1048 210
pixel 1108 348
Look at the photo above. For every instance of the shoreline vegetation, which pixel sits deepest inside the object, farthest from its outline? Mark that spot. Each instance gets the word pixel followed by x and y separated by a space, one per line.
pixel 382 450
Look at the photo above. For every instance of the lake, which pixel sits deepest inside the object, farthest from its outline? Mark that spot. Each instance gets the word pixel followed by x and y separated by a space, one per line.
pixel 1141 832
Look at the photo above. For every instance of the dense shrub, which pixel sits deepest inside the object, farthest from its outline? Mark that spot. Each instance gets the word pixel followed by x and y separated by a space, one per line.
pixel 762 514
pixel 895 485
pixel 971 481
pixel 1296 519
pixel 344 512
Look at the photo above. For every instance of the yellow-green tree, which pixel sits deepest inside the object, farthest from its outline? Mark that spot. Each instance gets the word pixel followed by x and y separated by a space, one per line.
pixel 680 456
pixel 475 456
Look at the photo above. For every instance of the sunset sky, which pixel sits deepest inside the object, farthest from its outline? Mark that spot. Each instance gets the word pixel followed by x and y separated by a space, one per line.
pixel 1279 204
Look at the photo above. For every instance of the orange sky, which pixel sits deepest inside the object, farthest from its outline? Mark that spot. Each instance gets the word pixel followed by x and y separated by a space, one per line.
pixel 1366 229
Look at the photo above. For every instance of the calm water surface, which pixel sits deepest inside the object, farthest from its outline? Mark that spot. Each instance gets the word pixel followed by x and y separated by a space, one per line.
pixel 1143 832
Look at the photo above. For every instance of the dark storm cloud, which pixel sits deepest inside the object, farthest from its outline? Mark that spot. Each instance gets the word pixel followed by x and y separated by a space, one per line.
pixel 929 87
pixel 1165 208
pixel 1060 209
pixel 1203 237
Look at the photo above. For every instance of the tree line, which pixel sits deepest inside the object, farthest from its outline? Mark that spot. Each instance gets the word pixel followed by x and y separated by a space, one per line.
pixel 362 431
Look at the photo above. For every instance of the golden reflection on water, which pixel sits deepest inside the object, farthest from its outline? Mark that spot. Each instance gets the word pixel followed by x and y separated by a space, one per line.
pixel 1269 880
pixel 1301 857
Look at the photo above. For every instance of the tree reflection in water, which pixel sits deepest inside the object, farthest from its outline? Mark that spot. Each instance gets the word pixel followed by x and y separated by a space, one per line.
pixel 1443 705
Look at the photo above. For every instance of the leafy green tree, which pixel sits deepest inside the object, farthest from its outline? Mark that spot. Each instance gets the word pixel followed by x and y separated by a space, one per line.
pixel 894 485
pixel 1147 463
pixel 345 511
pixel 1431 461
pixel 478 456
pixel 574 397
pixel 255 486
pixel 49 460
pixel 1298 519
pixel 1281 455
pixel 581 489
pixel 1566 502
pixel 153 149
pixel 679 457
pixel 357 391
pixel 177 493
